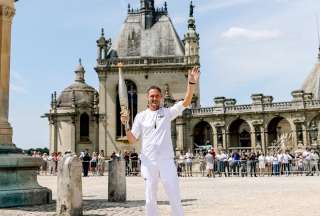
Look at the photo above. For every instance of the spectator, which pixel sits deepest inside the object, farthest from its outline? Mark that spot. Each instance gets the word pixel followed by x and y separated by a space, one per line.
pixel 85 163
pixel 44 164
pixel 189 157
pixel 93 163
pixel 134 162
pixel 210 163
pixel 262 164
pixel 127 160
pixel 101 162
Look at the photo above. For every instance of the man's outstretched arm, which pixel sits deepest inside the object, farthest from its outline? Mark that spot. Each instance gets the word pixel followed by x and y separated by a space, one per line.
pixel 193 78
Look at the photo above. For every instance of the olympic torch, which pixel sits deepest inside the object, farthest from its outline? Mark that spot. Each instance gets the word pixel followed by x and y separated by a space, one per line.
pixel 123 94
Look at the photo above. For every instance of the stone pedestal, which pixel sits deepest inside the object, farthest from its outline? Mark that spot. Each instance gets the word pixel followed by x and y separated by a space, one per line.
pixel 117 181
pixel 18 179
pixel 69 194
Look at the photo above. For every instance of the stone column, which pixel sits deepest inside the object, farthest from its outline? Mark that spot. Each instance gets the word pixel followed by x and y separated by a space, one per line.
pixel 266 139
pixel 18 173
pixel 263 143
pixel 117 181
pixel 180 138
pixel 69 187
pixel 225 136
pixel 102 111
pixel 7 11
pixel 305 134
pixel 253 137
pixel 214 140
pixel 318 135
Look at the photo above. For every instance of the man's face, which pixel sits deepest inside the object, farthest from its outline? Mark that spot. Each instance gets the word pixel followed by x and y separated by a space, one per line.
pixel 154 99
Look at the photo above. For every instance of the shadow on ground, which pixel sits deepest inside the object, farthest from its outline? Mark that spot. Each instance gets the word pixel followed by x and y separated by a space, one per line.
pixel 96 204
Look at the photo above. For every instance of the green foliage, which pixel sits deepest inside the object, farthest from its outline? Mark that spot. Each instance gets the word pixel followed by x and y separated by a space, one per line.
pixel 42 150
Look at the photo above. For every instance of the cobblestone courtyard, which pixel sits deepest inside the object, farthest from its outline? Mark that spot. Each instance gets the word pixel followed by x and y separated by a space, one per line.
pixel 290 196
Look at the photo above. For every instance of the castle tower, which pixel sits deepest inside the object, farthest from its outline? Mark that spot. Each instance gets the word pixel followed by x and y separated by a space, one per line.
pixel 191 40
pixel 153 54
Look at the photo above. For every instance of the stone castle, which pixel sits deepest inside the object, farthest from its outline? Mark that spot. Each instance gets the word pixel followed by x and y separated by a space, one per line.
pixel 153 54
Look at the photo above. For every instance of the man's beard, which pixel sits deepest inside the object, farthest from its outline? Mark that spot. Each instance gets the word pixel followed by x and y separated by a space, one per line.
pixel 154 103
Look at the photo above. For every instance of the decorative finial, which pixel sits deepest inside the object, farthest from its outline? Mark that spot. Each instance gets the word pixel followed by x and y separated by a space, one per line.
pixel 54 100
pixel 129 7
pixel 51 100
pixel 80 72
pixel 102 32
pixel 165 6
pixel 191 9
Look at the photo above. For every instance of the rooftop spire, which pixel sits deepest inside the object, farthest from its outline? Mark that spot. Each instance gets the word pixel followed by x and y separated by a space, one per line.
pixel 317 23
pixel 147 4
pixel 191 9
pixel 102 32
pixel 191 21
pixel 80 72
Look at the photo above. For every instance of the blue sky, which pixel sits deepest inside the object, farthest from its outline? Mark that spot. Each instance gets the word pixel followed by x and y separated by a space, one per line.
pixel 247 46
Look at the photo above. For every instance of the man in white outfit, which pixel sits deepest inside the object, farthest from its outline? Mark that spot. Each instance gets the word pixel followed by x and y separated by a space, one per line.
pixel 153 127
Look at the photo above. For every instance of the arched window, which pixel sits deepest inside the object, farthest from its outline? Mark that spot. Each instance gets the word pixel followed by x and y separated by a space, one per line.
pixel 133 107
pixel 239 132
pixel 202 136
pixel 84 127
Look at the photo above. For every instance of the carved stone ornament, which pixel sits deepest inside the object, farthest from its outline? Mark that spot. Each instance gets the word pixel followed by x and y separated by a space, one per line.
pixel 257 122
pixel 7 12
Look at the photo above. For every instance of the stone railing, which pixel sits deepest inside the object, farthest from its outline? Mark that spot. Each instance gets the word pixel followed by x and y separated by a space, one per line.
pixel 272 107
pixel 280 106
pixel 238 108
pixel 312 104
pixel 143 61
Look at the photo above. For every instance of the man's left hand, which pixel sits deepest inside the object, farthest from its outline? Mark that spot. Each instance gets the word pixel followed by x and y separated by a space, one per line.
pixel 194 75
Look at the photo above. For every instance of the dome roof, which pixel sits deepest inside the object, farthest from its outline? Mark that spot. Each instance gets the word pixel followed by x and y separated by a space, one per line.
pixel 79 92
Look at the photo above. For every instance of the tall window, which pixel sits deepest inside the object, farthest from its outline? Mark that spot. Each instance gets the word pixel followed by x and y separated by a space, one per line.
pixel 133 106
pixel 84 127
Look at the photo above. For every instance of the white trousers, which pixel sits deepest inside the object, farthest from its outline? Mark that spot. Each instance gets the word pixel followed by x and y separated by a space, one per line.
pixel 166 171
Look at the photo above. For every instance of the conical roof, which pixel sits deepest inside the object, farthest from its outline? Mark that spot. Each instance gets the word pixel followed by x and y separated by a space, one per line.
pixel 312 82
pixel 161 40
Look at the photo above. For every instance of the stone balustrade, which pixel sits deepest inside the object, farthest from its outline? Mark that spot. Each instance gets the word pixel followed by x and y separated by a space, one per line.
pixel 268 107
pixel 143 61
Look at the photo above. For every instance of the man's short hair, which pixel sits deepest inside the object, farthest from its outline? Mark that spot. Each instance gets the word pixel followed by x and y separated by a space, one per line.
pixel 154 87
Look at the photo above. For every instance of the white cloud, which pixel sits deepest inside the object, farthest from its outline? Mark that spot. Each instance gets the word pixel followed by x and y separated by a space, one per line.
pixel 237 32
pixel 221 4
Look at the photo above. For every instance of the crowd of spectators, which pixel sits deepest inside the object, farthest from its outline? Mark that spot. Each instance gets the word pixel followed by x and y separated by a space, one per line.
pixel 209 163
pixel 275 163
